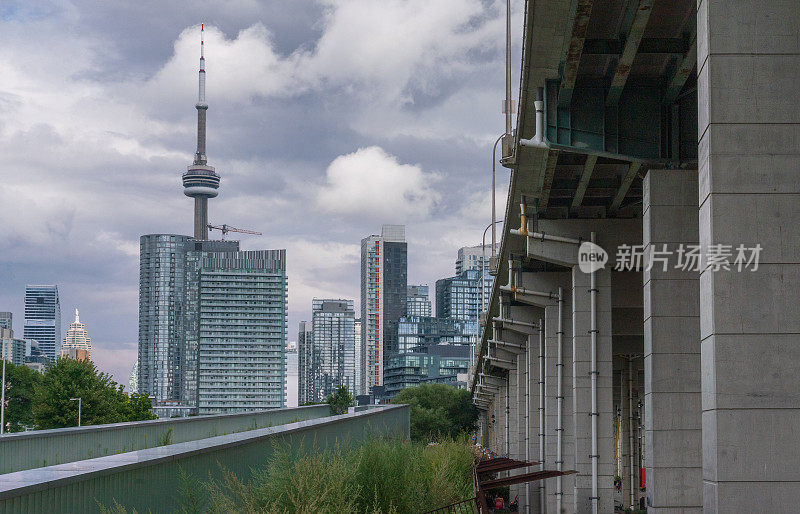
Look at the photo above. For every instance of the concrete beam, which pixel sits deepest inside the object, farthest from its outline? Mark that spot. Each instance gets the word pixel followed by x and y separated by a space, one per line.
pixel 627 180
pixel 574 49
pixel 685 66
pixel 583 183
pixel 632 41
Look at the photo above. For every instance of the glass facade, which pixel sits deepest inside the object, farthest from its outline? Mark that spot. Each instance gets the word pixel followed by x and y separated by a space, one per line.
pixel 416 332
pixel 6 319
pixel 212 324
pixel 333 355
pixel 43 318
pixel 457 297
pixel 437 361
pixel 418 301
pixel 304 349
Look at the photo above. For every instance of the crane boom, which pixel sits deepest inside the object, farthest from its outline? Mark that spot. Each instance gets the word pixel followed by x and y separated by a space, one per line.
pixel 227 228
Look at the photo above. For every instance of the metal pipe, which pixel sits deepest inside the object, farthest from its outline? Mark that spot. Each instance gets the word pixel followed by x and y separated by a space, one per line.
pixel 494 191
pixel 560 401
pixel 527 420
pixel 508 425
pixel 508 67
pixel 542 428
pixel 593 374
pixel 523 221
pixel 484 268
pixel 530 292
pixel 630 432
pixel 545 237
pixel 514 322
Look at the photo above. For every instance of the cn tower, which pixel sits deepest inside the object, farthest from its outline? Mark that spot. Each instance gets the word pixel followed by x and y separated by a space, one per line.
pixel 200 181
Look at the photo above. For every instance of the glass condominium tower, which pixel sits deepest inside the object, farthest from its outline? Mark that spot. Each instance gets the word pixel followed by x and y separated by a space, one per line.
pixel 242 331
pixel 333 354
pixel 43 318
pixel 384 282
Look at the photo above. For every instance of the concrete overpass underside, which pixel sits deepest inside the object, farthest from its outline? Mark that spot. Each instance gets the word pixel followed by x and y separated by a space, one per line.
pixel 668 131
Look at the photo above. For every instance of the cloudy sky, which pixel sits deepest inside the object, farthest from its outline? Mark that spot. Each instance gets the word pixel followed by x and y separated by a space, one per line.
pixel 327 118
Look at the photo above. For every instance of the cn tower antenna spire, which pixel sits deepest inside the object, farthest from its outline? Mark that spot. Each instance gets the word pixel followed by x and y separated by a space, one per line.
pixel 200 181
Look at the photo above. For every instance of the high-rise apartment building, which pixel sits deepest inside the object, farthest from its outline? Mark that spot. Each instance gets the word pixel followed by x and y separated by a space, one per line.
pixel 359 354
pixel 11 349
pixel 6 319
pixel 384 277
pixel 477 258
pixel 418 302
pixel 457 297
pixel 333 356
pixel 241 319
pixel 43 318
pixel 304 361
pixel 418 332
pixel 77 344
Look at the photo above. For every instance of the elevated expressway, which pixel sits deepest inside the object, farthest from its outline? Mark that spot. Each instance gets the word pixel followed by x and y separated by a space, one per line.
pixel 690 372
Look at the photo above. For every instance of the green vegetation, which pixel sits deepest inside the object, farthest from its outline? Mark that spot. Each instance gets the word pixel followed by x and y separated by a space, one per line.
pixel 438 411
pixel 43 400
pixel 378 477
pixel 340 400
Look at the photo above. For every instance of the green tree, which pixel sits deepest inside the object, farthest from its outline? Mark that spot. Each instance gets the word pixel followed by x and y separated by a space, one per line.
pixel 138 408
pixel 340 400
pixel 20 382
pixel 438 411
pixel 102 399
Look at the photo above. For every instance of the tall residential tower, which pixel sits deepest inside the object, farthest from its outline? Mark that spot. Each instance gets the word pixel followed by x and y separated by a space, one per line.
pixel 384 281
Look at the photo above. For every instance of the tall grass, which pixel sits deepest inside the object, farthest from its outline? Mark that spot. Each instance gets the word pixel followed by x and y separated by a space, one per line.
pixel 377 477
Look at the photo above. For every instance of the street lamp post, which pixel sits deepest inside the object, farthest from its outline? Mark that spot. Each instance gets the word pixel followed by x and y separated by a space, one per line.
pixel 482 289
pixel 3 394
pixel 79 408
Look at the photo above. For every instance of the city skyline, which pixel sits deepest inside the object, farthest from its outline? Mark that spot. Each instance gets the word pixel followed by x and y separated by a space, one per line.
pixel 87 241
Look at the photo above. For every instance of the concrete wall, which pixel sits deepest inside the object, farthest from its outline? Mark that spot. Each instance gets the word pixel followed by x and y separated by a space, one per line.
pixel 748 55
pixel 149 480
pixel 27 450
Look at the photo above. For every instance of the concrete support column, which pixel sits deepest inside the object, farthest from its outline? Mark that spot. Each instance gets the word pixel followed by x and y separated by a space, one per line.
pixel 582 394
pixel 749 156
pixel 672 350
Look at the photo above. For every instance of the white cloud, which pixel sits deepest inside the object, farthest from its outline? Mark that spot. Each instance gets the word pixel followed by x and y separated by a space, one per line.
pixel 370 182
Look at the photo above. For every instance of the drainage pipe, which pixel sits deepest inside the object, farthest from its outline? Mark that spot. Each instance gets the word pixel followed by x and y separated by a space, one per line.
pixel 545 237
pixel 593 375
pixel 527 420
pixel 542 431
pixel 560 401
pixel 630 432
pixel 531 292
pixel 508 425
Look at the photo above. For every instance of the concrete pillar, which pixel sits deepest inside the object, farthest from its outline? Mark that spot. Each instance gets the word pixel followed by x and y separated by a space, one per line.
pixel 582 396
pixel 672 346
pixel 749 156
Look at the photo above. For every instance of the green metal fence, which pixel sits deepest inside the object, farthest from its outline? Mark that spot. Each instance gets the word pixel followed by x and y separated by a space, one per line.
pixel 40 448
pixel 149 480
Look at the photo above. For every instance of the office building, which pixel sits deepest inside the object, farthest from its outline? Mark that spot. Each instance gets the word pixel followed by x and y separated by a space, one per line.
pixel 384 262
pixel 418 303
pixel 77 344
pixel 6 319
pixel 333 359
pixel 43 318
pixel 133 381
pixel 304 361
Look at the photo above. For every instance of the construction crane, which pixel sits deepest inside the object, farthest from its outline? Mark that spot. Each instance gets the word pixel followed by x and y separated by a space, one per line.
pixel 227 228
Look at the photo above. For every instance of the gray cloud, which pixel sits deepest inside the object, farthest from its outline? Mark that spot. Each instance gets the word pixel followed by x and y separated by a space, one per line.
pixel 98 123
